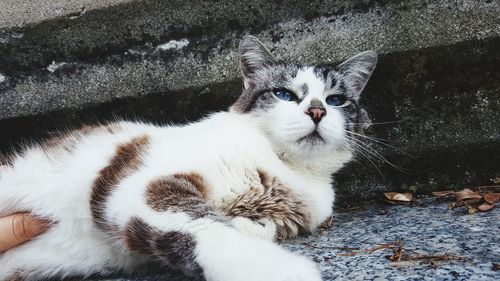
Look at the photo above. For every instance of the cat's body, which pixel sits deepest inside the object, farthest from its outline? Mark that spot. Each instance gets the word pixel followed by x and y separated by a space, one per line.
pixel 205 198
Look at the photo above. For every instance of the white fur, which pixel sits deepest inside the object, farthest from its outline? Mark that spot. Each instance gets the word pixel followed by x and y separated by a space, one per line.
pixel 224 149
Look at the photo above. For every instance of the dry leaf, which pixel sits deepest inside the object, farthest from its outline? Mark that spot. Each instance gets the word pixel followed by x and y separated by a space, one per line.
pixel 443 193
pixel 476 202
pixel 491 198
pixel 467 194
pixel 402 197
pixel 472 210
pixel 486 207
pixel 495 180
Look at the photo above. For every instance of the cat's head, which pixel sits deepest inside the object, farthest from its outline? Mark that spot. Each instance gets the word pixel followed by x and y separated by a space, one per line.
pixel 305 110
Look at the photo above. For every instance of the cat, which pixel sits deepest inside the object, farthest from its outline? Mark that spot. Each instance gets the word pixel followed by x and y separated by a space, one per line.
pixel 206 199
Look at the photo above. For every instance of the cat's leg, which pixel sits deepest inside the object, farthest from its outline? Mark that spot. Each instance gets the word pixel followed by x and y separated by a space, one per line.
pixel 283 212
pixel 178 229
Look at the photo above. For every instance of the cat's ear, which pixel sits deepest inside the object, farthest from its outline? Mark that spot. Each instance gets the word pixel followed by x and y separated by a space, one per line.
pixel 253 56
pixel 357 70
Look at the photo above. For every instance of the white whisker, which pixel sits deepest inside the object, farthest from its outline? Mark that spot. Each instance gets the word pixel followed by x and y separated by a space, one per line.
pixel 360 151
pixel 378 123
pixel 373 152
pixel 381 141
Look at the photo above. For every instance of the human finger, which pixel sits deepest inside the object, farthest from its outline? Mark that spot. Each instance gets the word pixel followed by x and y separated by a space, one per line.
pixel 19 228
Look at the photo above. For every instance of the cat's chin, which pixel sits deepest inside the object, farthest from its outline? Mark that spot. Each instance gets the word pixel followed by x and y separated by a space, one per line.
pixel 314 138
pixel 318 142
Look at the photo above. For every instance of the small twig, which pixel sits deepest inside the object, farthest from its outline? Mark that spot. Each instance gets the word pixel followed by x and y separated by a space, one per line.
pixel 412 251
pixel 436 257
pixel 347 254
pixel 395 244
pixel 369 251
pixel 346 248
pixel 355 208
pixel 399 254
pixel 330 247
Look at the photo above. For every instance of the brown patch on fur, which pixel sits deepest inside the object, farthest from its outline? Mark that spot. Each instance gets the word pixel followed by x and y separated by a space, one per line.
pixel 135 234
pixel 69 140
pixel 166 192
pixel 196 180
pixel 265 179
pixel 126 160
pixel 172 249
pixel 180 192
pixel 275 202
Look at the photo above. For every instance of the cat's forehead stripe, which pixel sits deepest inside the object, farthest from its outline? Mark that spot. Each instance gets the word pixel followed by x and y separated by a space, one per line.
pixel 307 76
pixel 304 89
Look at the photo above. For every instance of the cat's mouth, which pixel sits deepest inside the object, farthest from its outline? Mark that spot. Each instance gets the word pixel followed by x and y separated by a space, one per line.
pixel 314 137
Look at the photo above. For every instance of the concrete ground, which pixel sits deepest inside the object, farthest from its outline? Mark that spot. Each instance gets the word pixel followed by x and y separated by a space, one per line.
pixel 430 229
pixel 429 233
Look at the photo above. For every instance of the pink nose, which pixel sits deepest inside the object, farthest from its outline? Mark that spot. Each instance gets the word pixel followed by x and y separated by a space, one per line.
pixel 316 114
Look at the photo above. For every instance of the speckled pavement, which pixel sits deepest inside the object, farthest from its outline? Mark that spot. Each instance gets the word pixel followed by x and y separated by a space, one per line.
pixel 429 229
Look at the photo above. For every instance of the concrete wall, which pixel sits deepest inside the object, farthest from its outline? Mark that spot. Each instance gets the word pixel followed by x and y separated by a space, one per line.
pixel 435 91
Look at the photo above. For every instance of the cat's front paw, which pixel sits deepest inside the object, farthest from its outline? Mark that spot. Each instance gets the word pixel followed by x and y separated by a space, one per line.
pixel 237 257
pixel 279 265
pixel 297 269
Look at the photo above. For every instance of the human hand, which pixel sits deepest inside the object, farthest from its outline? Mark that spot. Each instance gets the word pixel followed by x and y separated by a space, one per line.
pixel 18 228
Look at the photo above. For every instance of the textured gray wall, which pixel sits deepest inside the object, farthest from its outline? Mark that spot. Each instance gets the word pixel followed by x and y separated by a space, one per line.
pixel 63 63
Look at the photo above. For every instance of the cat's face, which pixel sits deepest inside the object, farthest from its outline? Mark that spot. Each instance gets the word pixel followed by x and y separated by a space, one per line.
pixel 304 109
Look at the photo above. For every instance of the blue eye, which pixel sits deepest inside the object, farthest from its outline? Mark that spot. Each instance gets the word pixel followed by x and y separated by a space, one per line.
pixel 284 95
pixel 336 100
